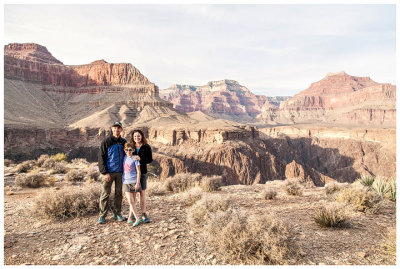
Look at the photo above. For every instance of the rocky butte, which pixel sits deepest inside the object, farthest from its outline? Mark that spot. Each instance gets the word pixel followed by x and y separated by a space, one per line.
pixel 51 107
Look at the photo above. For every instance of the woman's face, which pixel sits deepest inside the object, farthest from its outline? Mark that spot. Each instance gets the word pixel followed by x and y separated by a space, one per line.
pixel 137 137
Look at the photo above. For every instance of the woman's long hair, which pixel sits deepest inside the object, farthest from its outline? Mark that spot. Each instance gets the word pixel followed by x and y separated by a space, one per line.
pixel 144 140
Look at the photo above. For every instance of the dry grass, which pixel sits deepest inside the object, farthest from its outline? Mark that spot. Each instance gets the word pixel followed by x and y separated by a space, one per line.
pixel 182 182
pixel 58 168
pixel 268 194
pixel 333 216
pixel 293 187
pixel 59 157
pixel 189 197
pixel 79 161
pixel 92 174
pixel 361 198
pixel 389 244
pixel 210 184
pixel 201 211
pixel 259 240
pixel 75 176
pixel 34 180
pixel 155 188
pixel 332 187
pixel 25 166
pixel 67 203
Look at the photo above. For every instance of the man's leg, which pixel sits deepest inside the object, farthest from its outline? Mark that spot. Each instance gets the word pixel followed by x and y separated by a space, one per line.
pixel 104 198
pixel 117 177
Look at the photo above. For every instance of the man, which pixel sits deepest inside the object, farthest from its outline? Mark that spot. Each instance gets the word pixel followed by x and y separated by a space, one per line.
pixel 111 158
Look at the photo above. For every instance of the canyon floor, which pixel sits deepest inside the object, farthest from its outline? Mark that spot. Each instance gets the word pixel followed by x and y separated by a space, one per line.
pixel 169 239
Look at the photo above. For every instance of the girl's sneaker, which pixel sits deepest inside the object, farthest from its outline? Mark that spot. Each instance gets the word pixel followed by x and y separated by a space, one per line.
pixel 137 222
pixel 131 220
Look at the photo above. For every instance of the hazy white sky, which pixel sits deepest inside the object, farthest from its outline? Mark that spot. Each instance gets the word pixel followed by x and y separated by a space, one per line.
pixel 270 49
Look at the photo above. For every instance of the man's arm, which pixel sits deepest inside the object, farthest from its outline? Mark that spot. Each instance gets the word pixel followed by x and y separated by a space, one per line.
pixel 103 158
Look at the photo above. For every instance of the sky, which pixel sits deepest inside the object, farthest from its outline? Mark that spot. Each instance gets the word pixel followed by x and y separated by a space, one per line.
pixel 271 49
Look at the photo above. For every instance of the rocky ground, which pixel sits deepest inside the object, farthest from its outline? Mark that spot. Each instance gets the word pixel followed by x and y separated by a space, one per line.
pixel 169 239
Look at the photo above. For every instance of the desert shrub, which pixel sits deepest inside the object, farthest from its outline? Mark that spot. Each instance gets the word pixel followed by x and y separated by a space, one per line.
pixel 201 211
pixel 8 162
pixel 392 184
pixel 334 215
pixel 59 157
pixel 189 197
pixel 268 194
pixel 58 168
pixel 75 175
pixel 258 240
pixel 389 243
pixel 332 188
pixel 92 174
pixel 155 188
pixel 362 198
pixel 31 180
pixel 181 182
pixel 42 159
pixel 210 184
pixel 25 166
pixel 48 163
pixel 67 203
pixel 80 161
pixel 366 181
pixel 292 186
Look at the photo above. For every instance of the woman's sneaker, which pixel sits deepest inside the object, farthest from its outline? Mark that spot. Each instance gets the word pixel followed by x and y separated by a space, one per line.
pixel 145 218
pixel 137 222
pixel 119 218
pixel 131 220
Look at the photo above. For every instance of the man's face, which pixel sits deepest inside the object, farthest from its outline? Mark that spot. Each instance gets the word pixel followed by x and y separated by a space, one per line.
pixel 116 130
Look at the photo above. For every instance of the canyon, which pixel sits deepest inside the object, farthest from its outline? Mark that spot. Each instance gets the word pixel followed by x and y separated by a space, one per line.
pixel 339 129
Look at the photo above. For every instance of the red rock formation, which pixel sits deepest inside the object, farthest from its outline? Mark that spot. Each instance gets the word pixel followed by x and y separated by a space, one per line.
pixel 30 52
pixel 217 97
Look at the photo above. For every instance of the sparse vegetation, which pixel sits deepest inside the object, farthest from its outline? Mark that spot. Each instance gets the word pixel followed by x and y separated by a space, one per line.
pixel 259 240
pixel 268 194
pixel 75 176
pixel 183 181
pixel 333 215
pixel 92 174
pixel 58 168
pixel 48 163
pixel 293 187
pixel 59 157
pixel 362 198
pixel 67 203
pixel 155 188
pixel 210 184
pixel 382 187
pixel 79 161
pixel 201 211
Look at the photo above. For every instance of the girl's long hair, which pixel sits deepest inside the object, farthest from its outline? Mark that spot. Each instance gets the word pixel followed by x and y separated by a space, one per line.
pixel 144 140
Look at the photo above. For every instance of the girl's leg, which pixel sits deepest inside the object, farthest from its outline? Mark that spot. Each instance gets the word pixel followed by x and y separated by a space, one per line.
pixel 132 207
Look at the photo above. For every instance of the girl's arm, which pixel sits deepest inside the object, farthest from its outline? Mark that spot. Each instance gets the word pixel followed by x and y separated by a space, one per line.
pixel 137 186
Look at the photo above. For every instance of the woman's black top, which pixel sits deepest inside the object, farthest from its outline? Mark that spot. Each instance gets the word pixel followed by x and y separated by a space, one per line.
pixel 146 157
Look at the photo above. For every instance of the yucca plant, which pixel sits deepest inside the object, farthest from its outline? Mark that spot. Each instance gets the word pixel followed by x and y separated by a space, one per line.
pixel 392 186
pixel 382 187
pixel 390 241
pixel 366 181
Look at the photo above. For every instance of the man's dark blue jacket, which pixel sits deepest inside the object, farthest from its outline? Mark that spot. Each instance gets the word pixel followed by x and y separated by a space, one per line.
pixel 111 155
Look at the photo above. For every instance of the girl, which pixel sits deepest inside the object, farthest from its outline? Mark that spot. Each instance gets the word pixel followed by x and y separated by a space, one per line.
pixel 131 180
pixel 144 155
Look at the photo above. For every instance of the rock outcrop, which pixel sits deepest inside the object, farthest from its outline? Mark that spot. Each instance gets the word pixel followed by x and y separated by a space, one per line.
pixel 339 99
pixel 219 98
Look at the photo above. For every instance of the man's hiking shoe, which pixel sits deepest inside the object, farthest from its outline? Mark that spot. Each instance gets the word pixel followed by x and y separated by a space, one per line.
pixel 132 220
pixel 137 222
pixel 102 220
pixel 145 218
pixel 119 218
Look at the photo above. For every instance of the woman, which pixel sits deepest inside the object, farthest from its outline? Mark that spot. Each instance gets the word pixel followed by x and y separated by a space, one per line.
pixel 142 153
